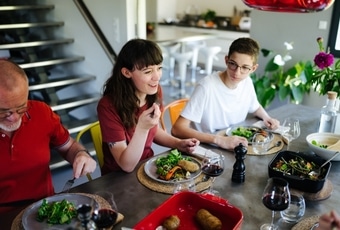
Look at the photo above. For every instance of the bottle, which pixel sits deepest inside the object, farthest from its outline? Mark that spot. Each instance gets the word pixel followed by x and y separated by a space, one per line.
pixel 85 222
pixel 328 114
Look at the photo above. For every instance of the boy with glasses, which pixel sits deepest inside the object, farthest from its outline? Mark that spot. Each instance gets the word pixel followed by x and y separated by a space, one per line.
pixel 224 98
pixel 28 131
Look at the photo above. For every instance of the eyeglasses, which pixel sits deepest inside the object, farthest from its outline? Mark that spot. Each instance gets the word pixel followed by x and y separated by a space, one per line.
pixel 234 66
pixel 20 111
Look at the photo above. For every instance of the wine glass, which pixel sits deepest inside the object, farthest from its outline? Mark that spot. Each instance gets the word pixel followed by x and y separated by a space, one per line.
pixel 212 166
pixel 291 130
pixel 106 217
pixel 276 197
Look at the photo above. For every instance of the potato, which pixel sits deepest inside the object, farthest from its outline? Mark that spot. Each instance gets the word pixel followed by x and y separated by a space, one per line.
pixel 208 221
pixel 171 223
pixel 188 165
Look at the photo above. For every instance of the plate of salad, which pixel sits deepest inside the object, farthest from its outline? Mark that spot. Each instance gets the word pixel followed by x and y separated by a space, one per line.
pixel 172 166
pixel 247 132
pixel 55 212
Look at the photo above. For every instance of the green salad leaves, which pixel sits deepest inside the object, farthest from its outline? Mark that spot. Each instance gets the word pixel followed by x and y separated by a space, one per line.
pixel 59 212
pixel 166 163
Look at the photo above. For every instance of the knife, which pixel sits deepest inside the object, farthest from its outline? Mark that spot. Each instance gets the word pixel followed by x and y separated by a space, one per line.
pixel 68 185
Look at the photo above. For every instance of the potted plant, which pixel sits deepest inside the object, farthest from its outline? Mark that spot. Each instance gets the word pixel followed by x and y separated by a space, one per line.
pixel 290 83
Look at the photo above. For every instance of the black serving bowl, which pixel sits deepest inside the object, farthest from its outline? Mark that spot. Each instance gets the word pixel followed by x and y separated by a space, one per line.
pixel 302 184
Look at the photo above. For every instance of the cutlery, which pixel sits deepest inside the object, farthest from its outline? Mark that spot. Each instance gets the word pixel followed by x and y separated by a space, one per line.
pixel 316 173
pixel 68 185
pixel 277 144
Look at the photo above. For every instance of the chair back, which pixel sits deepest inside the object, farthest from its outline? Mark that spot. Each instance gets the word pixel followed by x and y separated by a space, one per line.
pixel 96 136
pixel 174 109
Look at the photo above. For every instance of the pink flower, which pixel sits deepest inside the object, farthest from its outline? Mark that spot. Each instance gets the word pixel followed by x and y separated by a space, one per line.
pixel 323 60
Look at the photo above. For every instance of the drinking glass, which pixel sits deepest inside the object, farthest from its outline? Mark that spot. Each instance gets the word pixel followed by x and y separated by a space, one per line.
pixel 296 208
pixel 105 218
pixel 276 197
pixel 187 185
pixel 291 131
pixel 213 166
pixel 260 143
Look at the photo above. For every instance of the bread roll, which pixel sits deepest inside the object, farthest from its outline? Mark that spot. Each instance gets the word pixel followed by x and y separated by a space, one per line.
pixel 188 165
pixel 208 221
pixel 171 223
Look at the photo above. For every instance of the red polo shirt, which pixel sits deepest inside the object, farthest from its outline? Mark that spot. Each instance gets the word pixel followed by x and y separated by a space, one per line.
pixel 25 158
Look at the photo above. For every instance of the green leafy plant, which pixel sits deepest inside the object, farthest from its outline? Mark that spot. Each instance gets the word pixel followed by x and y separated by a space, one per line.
pixel 290 83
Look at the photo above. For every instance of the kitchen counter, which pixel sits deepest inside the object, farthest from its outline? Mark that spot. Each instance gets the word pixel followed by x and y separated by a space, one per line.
pixel 222 28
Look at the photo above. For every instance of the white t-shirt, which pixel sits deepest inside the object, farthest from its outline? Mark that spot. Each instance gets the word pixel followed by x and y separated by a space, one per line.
pixel 213 106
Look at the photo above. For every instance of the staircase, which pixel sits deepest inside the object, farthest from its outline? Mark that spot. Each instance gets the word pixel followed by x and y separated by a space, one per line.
pixel 30 39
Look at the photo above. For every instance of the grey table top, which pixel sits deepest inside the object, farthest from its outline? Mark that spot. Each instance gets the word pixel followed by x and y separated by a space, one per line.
pixel 136 201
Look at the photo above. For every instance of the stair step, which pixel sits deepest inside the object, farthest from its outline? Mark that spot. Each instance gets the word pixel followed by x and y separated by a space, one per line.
pixel 36 43
pixel 26 7
pixel 29 25
pixel 64 81
pixel 75 102
pixel 51 62
pixel 75 126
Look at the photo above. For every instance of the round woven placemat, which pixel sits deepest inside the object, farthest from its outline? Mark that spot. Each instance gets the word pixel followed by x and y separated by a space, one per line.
pixel 277 137
pixel 167 188
pixel 323 194
pixel 306 224
pixel 17 224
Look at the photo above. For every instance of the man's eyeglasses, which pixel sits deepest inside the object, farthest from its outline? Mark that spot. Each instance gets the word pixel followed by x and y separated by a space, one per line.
pixel 233 66
pixel 5 114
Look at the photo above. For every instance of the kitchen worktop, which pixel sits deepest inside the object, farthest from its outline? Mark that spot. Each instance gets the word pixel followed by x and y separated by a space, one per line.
pixel 222 28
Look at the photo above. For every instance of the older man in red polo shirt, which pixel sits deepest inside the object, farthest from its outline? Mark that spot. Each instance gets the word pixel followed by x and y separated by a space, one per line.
pixel 28 130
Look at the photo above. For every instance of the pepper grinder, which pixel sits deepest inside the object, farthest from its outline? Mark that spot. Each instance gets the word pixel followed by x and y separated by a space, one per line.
pixel 239 167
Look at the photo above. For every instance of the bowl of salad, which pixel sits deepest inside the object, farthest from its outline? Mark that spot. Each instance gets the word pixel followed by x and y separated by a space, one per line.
pixel 324 144
pixel 295 167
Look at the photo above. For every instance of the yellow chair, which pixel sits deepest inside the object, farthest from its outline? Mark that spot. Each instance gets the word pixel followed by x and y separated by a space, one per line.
pixel 175 108
pixel 96 136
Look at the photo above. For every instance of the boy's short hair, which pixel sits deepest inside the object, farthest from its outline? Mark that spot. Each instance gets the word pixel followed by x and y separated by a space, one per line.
pixel 245 46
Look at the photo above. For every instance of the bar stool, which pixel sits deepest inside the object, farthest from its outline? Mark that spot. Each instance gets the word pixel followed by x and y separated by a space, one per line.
pixel 170 50
pixel 195 47
pixel 182 60
pixel 210 53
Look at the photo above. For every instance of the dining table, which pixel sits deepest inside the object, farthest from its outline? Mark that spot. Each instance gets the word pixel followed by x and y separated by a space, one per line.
pixel 135 200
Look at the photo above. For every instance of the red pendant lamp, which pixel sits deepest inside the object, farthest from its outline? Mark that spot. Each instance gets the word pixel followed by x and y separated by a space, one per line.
pixel 295 6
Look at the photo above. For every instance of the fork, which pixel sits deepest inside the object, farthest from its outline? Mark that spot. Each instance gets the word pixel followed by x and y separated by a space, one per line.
pixel 68 185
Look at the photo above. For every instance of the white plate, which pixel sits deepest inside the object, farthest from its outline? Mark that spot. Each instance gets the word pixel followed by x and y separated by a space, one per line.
pixel 150 169
pixel 30 223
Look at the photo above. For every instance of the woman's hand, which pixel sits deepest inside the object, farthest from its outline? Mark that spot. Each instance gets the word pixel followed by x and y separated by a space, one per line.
pixel 329 221
pixel 150 117
pixel 187 145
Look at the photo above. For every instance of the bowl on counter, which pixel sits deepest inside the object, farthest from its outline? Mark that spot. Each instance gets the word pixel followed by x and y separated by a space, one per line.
pixel 324 144
pixel 296 180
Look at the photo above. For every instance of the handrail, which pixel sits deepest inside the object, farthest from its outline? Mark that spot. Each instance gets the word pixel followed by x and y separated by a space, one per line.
pixel 96 30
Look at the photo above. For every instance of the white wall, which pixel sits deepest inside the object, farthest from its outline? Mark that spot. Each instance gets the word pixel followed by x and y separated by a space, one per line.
pixel 222 7
pixel 272 29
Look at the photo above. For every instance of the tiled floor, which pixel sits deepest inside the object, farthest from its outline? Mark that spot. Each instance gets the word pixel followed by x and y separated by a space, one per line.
pixel 61 175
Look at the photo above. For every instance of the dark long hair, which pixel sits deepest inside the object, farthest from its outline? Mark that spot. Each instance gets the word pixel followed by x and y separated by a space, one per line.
pixel 135 54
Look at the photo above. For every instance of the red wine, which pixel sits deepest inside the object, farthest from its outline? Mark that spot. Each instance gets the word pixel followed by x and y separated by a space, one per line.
pixel 105 218
pixel 212 170
pixel 276 203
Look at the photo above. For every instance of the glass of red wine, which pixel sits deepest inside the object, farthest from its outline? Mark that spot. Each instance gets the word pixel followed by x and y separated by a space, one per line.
pixel 213 166
pixel 276 197
pixel 105 217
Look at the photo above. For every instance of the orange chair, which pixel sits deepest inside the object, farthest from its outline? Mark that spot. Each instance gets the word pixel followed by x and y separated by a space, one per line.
pixel 175 108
